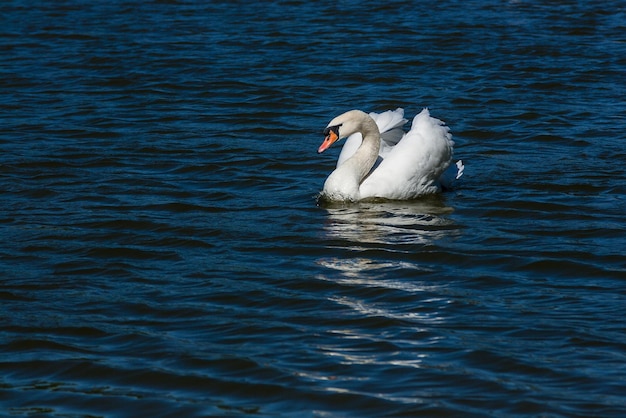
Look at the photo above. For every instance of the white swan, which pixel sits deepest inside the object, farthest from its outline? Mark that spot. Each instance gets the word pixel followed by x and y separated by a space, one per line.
pixel 379 160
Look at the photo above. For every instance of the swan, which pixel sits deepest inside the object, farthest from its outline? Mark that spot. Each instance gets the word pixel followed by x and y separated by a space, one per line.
pixel 379 160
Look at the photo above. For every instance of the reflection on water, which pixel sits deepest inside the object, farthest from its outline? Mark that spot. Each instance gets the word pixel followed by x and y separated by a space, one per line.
pixel 352 267
pixel 386 222
pixel 374 247
pixel 393 227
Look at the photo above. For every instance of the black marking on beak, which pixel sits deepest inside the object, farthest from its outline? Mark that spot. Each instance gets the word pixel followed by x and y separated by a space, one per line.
pixel 334 129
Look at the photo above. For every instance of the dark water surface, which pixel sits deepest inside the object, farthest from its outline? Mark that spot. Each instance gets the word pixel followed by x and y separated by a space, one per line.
pixel 163 253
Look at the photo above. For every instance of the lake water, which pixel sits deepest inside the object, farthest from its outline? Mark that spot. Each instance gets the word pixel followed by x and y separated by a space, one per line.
pixel 164 255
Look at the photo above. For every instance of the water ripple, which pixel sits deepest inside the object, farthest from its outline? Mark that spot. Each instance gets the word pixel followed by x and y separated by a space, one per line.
pixel 164 250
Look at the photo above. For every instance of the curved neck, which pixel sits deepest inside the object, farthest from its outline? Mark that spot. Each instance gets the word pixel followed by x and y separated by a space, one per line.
pixel 365 156
pixel 344 182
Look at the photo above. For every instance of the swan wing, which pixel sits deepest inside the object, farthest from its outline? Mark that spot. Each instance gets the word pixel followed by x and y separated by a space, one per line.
pixel 389 120
pixel 413 166
pixel 390 127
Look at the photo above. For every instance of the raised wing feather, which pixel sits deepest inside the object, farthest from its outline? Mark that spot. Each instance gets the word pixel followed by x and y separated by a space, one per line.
pixel 390 126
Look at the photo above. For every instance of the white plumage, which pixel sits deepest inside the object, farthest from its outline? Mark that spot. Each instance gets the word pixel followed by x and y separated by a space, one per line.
pixel 379 160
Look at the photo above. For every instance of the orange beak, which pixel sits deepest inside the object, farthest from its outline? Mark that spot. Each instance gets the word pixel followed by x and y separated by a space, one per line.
pixel 331 138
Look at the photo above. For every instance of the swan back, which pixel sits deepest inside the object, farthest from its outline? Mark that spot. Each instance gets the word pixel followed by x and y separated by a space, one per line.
pixel 412 167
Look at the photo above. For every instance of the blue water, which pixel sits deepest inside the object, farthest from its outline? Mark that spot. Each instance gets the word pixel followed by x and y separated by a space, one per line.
pixel 164 254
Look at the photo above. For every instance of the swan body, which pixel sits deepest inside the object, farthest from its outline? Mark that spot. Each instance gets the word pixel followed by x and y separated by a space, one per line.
pixel 379 160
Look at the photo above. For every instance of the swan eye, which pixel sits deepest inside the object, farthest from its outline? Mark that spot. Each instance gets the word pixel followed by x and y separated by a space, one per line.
pixel 333 129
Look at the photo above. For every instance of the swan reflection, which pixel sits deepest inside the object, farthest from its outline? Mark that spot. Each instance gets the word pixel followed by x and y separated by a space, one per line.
pixel 378 258
pixel 393 223
pixel 381 237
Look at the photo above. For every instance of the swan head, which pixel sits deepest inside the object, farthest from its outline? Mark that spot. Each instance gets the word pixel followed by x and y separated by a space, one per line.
pixel 345 125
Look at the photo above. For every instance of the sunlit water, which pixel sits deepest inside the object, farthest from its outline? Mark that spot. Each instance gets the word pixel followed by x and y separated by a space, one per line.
pixel 164 254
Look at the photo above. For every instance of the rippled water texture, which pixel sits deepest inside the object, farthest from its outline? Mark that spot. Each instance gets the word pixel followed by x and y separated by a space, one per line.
pixel 163 252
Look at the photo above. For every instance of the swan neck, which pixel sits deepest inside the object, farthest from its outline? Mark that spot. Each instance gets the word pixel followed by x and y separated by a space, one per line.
pixel 345 181
pixel 366 155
